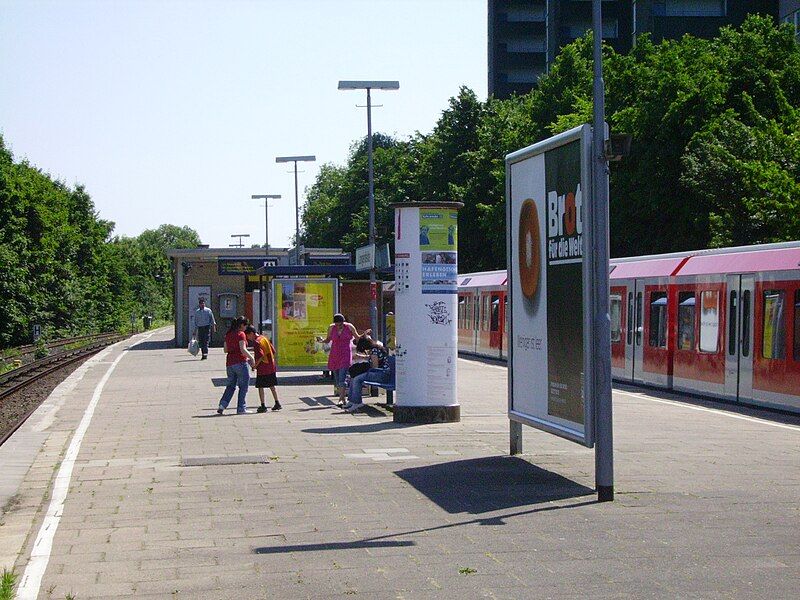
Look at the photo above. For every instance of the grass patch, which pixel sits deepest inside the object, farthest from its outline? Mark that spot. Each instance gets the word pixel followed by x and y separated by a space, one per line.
pixel 7 583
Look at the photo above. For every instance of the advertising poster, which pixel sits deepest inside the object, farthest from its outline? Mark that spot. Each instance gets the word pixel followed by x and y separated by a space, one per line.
pixel 303 310
pixel 438 244
pixel 438 229
pixel 547 216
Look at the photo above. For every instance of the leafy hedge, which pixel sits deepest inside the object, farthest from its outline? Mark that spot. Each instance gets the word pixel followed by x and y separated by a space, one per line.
pixel 61 268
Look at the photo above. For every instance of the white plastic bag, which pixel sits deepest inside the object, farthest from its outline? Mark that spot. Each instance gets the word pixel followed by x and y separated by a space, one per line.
pixel 194 347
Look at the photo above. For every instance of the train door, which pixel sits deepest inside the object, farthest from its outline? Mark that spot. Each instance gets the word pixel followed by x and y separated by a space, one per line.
pixel 637 363
pixel 496 324
pixel 739 337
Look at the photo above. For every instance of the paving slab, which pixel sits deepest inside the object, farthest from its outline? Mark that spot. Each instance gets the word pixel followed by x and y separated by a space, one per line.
pixel 168 500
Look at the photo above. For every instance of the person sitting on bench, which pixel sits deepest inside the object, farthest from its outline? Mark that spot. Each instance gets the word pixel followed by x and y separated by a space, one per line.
pixel 379 371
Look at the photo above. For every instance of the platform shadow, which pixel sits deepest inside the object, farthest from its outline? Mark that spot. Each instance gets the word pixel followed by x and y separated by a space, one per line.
pixel 490 483
pixel 333 546
pixel 155 345
pixel 366 428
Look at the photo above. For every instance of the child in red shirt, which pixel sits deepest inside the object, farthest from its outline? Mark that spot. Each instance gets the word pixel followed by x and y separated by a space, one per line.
pixel 265 367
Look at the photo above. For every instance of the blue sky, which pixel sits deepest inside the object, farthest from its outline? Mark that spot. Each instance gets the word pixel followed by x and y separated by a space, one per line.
pixel 174 112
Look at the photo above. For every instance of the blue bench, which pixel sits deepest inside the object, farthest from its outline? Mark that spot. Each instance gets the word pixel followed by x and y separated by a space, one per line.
pixel 388 386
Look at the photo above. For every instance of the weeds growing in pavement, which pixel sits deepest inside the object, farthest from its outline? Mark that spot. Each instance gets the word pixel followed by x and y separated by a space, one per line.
pixel 7 583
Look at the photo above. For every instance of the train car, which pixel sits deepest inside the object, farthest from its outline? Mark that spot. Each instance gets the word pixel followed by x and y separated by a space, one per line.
pixel 723 323
pixel 482 324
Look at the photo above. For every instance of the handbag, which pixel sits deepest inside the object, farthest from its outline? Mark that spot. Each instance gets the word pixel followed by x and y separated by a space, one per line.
pixel 194 347
pixel 358 368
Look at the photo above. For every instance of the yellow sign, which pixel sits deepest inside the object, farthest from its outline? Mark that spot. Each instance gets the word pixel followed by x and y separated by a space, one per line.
pixel 391 339
pixel 303 310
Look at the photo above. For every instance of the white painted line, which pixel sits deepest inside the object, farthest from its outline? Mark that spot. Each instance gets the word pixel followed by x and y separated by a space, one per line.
pixel 709 410
pixel 40 555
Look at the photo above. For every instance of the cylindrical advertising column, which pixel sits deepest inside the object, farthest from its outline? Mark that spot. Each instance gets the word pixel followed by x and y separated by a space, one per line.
pixel 426 311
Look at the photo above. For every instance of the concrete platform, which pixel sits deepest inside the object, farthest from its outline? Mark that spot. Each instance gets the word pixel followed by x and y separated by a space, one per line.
pixel 323 504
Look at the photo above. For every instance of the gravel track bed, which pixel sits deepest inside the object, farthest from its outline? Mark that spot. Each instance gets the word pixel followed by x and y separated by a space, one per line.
pixel 13 408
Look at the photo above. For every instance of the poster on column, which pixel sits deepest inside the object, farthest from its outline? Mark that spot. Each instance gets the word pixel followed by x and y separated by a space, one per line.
pixel 549 356
pixel 438 244
pixel 303 310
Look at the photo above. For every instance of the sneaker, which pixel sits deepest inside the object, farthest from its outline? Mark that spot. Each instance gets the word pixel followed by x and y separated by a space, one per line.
pixel 277 406
pixel 261 409
pixel 204 357
pixel 355 407
pixel 241 412
pixel 219 411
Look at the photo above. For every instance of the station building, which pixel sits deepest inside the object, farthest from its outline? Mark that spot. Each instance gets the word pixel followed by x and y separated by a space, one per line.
pixel 227 278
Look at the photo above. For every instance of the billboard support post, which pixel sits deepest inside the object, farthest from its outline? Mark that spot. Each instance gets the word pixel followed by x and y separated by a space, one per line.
pixel 515 437
pixel 601 334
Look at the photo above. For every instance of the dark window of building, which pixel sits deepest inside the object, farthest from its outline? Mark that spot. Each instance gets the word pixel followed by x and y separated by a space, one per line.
pixel 686 302
pixel 689 8
pixel 658 320
pixel 773 335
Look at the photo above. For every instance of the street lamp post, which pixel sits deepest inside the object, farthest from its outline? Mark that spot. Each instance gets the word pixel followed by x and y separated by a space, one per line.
pixel 262 289
pixel 240 236
pixel 266 198
pixel 295 160
pixel 369 86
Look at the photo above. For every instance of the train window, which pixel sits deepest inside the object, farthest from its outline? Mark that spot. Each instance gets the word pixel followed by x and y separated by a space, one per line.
pixel 796 343
pixel 686 302
pixel 494 323
pixel 462 306
pixel 732 323
pixel 773 342
pixel 746 323
pixel 658 320
pixel 505 313
pixel 630 318
pixel 616 318
pixel 638 318
pixel 709 320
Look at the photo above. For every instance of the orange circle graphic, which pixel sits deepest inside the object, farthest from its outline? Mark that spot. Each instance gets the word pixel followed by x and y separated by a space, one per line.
pixel 529 248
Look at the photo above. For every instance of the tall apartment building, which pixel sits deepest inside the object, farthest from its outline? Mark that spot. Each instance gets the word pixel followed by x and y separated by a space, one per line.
pixel 525 36
pixel 789 12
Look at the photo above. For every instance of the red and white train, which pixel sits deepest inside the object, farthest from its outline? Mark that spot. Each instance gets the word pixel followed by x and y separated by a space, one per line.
pixel 722 323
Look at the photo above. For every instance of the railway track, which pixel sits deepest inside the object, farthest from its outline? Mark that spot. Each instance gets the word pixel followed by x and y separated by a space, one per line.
pixel 16 381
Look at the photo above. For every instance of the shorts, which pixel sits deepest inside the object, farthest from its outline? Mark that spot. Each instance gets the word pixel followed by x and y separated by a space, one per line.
pixel 339 377
pixel 265 381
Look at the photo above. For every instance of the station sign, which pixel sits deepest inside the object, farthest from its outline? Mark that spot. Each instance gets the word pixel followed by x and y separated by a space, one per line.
pixel 244 265
pixel 365 258
pixel 328 259
pixel 383 259
pixel 549 282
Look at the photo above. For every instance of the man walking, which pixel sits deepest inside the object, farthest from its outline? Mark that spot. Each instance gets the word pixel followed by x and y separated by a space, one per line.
pixel 204 326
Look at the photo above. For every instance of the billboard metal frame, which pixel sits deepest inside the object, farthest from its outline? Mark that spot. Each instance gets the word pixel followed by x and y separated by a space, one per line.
pixel 582 134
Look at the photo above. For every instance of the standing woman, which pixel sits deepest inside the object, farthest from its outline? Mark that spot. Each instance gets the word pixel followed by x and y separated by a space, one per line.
pixel 340 335
pixel 237 359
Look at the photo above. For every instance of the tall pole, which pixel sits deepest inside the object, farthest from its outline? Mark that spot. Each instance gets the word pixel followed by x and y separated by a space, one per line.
pixel 604 440
pixel 297 218
pixel 261 287
pixel 373 288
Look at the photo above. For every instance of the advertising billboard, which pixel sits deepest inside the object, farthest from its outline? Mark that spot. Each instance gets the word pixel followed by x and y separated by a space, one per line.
pixel 303 309
pixel 549 278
